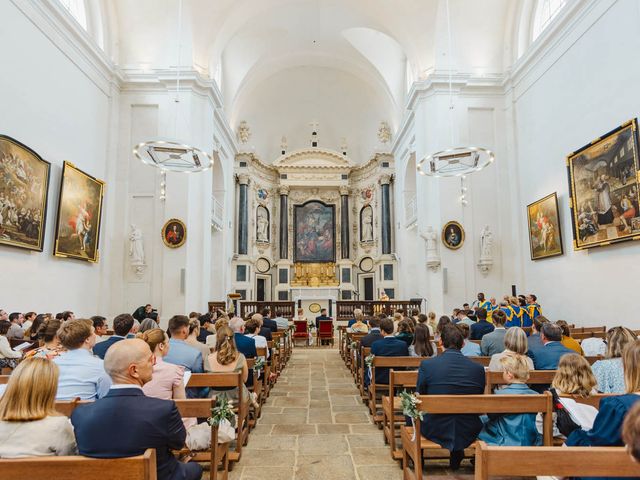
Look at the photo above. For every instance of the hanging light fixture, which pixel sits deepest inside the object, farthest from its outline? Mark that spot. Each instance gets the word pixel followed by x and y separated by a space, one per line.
pixel 170 155
pixel 455 161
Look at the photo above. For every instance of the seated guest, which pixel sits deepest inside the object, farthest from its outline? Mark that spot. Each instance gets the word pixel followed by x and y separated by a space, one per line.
pixel 574 376
pixel 244 344
pixel 267 322
pixel 397 318
pixel 192 340
pixel 548 356
pixel 405 331
pixel 442 321
pixel 50 346
pixel 100 327
pixel 389 346
pixel 135 328
pixel 206 327
pixel 16 330
pixel 251 329
pixel 29 317
pixel 322 316
pixel 454 315
pixel 607 426
pixel 81 374
pixel 211 339
pixel 481 327
pixel 147 324
pixel 68 315
pixel 180 352
pixel 516 430
pixel 358 324
pixel 227 359
pixel 431 322
pixel 356 313
pixel 422 346
pixel 469 349
pixel 263 331
pixel 8 357
pixel 515 342
pixel 374 333
pixel 31 333
pixel 462 318
pixel 594 347
pixel 567 341
pixel 608 372
pixel 451 373
pixel 168 379
pixel 29 423
pixel 281 322
pixel 631 432
pixel 493 342
pixel 536 327
pixel 146 311
pixel 195 315
pixel 126 422
pixel 122 325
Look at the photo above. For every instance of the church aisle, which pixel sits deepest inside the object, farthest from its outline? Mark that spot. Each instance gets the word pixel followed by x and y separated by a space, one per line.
pixel 314 426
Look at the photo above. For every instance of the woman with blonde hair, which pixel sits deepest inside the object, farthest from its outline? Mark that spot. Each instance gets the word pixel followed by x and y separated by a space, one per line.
pixel 29 424
pixel 608 372
pixel 515 342
pixel 358 324
pixel 167 382
pixel 192 340
pixel 607 426
pixel 227 359
pixel 574 376
pixel 211 339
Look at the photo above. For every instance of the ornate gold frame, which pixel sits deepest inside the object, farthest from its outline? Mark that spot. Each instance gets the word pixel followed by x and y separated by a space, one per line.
pixel 443 236
pixel 553 195
pixel 164 228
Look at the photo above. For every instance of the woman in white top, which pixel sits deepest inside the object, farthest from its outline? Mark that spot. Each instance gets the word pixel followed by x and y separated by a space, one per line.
pixel 515 341
pixel 251 329
pixel 609 372
pixel 8 356
pixel 29 424
pixel 192 340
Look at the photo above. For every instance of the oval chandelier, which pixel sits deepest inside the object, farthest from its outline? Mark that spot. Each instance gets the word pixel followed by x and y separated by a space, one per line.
pixel 170 155
pixel 455 161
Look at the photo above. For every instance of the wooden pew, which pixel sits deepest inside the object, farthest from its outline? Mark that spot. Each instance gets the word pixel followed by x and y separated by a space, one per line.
pixel 536 377
pixel 557 461
pixel 376 390
pixel 361 367
pixel 215 380
pixel 256 388
pixel 141 467
pixel 484 361
pixel 391 405
pixel 414 447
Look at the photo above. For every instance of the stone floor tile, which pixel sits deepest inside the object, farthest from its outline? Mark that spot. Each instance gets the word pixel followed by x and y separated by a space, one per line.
pixel 332 428
pixel 372 456
pixel 297 429
pixel 322 445
pixel 272 442
pixel 268 458
pixel 380 472
pixel 351 417
pixel 272 473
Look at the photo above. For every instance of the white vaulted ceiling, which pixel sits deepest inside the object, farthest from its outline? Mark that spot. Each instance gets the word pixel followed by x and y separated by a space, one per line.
pixel 346 64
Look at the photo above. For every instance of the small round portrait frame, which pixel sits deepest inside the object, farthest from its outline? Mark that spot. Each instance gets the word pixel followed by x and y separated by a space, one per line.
pixel 453 235
pixel 174 233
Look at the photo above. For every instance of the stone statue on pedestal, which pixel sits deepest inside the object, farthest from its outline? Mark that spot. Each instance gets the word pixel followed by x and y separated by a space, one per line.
pixel 486 247
pixel 136 250
pixel 431 237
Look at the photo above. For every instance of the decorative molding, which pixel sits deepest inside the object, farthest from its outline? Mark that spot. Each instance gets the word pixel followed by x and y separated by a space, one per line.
pixel 313 158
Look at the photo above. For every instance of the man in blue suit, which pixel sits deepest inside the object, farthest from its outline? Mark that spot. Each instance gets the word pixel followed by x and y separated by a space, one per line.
pixel 451 373
pixel 245 345
pixel 548 356
pixel 389 346
pixel 122 325
pixel 481 327
pixel 267 322
pixel 126 422
pixel 533 340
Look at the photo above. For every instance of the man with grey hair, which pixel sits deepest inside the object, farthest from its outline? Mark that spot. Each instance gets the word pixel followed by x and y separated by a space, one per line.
pixel 548 356
pixel 244 344
pixel 126 422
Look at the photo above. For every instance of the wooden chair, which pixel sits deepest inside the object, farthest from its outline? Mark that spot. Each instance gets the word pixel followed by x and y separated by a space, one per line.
pixel 536 377
pixel 228 380
pixel 140 467
pixel 557 461
pixel 325 332
pixel 484 361
pixel 376 390
pixel 266 387
pixel 391 405
pixel 301 332
pixel 361 367
pixel 218 453
pixel 256 388
pixel 414 447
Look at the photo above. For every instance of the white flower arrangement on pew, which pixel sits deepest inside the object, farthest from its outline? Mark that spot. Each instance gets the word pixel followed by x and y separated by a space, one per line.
pixel 258 365
pixel 222 416
pixel 410 402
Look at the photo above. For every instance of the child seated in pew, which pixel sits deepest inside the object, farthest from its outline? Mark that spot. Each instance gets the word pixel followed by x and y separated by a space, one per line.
pixel 513 429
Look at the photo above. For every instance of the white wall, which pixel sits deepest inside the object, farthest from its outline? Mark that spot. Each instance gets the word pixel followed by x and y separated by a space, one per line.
pixel 581 87
pixel 52 105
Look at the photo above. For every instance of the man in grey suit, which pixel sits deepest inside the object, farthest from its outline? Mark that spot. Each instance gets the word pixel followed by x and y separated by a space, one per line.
pixel 494 342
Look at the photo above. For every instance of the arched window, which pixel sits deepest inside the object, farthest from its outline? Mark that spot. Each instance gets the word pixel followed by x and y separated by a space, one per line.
pixel 545 11
pixel 77 9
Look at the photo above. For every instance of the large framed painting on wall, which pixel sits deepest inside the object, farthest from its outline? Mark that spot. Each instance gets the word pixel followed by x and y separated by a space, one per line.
pixel 315 232
pixel 603 189
pixel 545 236
pixel 79 215
pixel 24 187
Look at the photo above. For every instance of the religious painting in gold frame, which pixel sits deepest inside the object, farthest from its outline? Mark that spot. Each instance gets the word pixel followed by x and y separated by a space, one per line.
pixel 24 187
pixel 604 190
pixel 79 215
pixel 545 236
pixel 174 233
pixel 453 235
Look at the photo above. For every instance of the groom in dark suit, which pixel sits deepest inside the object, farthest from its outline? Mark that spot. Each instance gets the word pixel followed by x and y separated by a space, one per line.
pixel 126 422
pixel 451 373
